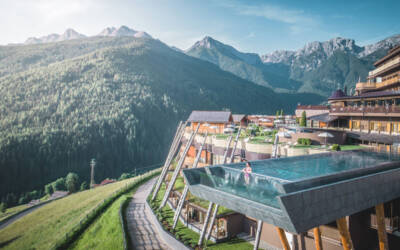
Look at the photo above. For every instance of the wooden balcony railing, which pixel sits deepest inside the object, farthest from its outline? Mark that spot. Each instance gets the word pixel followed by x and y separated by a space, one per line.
pixel 373 85
pixel 363 109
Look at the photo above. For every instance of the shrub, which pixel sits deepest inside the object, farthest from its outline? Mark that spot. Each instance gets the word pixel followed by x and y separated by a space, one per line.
pixel 59 185
pixel 72 182
pixel 304 141
pixel 84 185
pixel 336 147
pixel 48 189
pixel 3 207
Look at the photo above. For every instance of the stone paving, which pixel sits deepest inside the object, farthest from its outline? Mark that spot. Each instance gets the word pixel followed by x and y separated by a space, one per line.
pixel 141 228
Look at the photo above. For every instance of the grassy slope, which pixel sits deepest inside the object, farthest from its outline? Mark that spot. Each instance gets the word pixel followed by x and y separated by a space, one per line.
pixel 44 227
pixel 105 232
pixel 12 210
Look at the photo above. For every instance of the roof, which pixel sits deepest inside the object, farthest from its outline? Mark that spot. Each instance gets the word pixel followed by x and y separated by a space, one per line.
pixel 238 117
pixel 107 181
pixel 369 95
pixel 323 117
pixel 210 116
pixel 337 94
pixel 302 192
pixel 313 107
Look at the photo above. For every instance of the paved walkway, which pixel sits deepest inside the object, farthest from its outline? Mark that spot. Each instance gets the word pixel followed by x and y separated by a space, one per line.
pixel 141 227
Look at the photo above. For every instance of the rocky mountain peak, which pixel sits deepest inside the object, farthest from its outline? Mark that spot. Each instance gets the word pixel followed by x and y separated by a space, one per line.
pixel 123 31
pixel 68 34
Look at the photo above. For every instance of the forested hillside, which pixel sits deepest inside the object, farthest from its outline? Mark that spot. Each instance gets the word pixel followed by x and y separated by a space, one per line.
pixel 119 104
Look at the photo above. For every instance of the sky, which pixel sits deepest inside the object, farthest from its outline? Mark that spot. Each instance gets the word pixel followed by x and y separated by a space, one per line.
pixel 250 26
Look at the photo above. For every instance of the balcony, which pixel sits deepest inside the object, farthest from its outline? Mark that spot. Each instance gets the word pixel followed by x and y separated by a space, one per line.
pixel 390 110
pixel 372 85
pixel 385 67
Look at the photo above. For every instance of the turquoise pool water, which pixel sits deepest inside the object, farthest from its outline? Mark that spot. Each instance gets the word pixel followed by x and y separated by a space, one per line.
pixel 300 168
pixel 268 176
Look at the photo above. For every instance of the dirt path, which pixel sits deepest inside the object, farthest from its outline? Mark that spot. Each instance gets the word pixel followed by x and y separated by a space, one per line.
pixel 141 228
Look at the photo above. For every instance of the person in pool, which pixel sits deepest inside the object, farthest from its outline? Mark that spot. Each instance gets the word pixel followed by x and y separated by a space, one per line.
pixel 247 171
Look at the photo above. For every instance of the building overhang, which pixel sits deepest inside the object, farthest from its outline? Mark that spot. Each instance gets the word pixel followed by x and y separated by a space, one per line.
pixel 297 205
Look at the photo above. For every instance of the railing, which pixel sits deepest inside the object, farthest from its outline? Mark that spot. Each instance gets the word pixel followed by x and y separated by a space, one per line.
pixel 384 66
pixel 366 109
pixel 373 85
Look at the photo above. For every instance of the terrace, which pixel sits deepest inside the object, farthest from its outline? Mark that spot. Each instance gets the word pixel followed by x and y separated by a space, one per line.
pixel 300 193
pixel 372 111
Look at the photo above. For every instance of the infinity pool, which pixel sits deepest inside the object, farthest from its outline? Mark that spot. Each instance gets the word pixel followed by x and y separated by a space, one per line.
pixel 299 193
pixel 269 177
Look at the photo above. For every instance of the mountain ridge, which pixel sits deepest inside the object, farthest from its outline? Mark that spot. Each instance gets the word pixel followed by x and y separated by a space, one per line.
pixel 71 34
pixel 116 99
pixel 296 71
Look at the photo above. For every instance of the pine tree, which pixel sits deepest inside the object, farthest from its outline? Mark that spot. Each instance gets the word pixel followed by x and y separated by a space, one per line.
pixel 303 120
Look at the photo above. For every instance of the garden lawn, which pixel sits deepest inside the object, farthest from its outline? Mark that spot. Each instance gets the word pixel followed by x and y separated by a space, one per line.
pixel 350 147
pixel 188 236
pixel 42 228
pixel 106 232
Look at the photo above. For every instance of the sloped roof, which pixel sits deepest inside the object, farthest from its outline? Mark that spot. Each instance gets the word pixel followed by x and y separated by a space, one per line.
pixel 337 94
pixel 210 116
pixel 238 117
pixel 325 117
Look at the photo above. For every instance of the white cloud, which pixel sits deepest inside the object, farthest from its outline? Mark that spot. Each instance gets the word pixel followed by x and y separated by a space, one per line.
pixel 297 20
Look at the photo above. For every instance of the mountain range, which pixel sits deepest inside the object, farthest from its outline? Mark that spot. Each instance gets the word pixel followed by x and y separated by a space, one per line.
pixel 71 34
pixel 117 99
pixel 118 96
pixel 318 67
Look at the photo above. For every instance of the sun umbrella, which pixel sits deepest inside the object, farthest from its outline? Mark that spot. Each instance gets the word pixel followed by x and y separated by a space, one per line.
pixel 326 135
pixel 284 134
pixel 228 130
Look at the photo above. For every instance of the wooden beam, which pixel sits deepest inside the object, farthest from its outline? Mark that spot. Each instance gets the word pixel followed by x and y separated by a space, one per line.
pixel 186 189
pixel 258 234
pixel 283 238
pixel 203 231
pixel 317 238
pixel 380 218
pixel 344 233
pixel 178 168
pixel 172 151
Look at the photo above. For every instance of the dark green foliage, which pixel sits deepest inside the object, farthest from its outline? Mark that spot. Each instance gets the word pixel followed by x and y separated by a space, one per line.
pixel 115 99
pixel 84 186
pixel 72 182
pixel 340 70
pixel 304 141
pixel 48 189
pixel 125 176
pixel 59 185
pixel 336 147
pixel 303 119
pixel 3 207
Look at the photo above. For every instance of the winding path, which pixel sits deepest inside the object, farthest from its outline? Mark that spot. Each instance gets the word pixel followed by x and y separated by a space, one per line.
pixel 7 222
pixel 141 225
